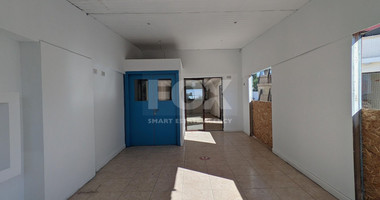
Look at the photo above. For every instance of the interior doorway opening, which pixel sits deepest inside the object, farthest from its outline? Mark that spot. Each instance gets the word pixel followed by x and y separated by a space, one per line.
pixel 204 104
pixel 260 106
pixel 366 112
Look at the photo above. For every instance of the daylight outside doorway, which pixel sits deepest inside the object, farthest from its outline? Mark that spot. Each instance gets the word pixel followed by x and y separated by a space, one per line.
pixel 204 104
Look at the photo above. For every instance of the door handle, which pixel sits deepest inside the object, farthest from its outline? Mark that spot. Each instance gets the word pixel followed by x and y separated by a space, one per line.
pixel 155 112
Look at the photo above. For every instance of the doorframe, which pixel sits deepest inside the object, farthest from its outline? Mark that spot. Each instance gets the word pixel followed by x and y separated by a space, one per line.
pixel 356 115
pixel 175 99
pixel 203 106
pixel 357 107
pixel 221 104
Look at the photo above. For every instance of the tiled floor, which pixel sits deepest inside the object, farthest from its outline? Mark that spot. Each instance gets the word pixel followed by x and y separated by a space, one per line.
pixel 239 168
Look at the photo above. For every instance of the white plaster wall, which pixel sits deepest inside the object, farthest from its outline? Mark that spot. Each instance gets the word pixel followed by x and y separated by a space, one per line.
pixel 68 121
pixel 310 52
pixel 59 23
pixel 10 66
pixel 109 115
pixel 312 129
pixel 32 120
pixel 61 68
pixel 152 64
pixel 213 63
pixel 10 81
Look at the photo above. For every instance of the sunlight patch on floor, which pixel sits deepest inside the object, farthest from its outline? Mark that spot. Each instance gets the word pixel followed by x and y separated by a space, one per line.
pixel 200 136
pixel 193 182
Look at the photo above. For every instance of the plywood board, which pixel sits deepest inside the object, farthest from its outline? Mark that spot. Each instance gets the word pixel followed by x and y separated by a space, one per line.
pixel 371 153
pixel 251 118
pixel 262 122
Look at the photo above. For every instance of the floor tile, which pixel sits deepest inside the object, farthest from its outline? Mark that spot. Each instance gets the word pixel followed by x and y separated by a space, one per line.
pixel 113 185
pixel 135 195
pixel 219 183
pixel 228 195
pixel 166 195
pixel 292 194
pixel 252 182
pixel 239 168
pixel 302 180
pixel 261 194
pixel 243 170
pixel 91 187
pixel 141 184
pixel 279 181
pixel 105 196
pixel 319 193
pixel 192 194
pixel 168 185
pixel 81 196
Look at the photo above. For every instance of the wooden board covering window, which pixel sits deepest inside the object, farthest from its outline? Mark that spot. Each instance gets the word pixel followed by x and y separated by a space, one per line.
pixel 262 122
pixel 371 153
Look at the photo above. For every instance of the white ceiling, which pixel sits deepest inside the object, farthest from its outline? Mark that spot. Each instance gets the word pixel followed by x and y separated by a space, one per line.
pixel 190 24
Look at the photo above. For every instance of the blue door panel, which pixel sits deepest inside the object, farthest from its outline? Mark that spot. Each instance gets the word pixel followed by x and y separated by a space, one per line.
pixel 151 122
pixel 166 117
pixel 167 121
pixel 141 132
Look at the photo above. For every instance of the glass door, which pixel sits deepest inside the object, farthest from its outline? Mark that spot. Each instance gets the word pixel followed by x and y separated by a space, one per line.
pixel 194 100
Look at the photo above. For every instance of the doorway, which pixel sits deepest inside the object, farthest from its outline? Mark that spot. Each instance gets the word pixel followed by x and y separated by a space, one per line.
pixel 260 106
pixel 366 112
pixel 152 114
pixel 204 104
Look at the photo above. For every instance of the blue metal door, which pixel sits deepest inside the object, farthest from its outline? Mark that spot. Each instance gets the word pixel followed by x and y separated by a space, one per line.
pixel 152 113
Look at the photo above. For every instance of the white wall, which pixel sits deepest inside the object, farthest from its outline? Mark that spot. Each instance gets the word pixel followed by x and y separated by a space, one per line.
pixel 310 53
pixel 10 81
pixel 58 96
pixel 59 23
pixel 68 121
pixel 312 129
pixel 32 120
pixel 213 63
pixel 10 66
pixel 109 115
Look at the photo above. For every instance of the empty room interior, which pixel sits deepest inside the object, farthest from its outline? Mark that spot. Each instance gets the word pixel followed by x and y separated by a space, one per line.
pixel 189 99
